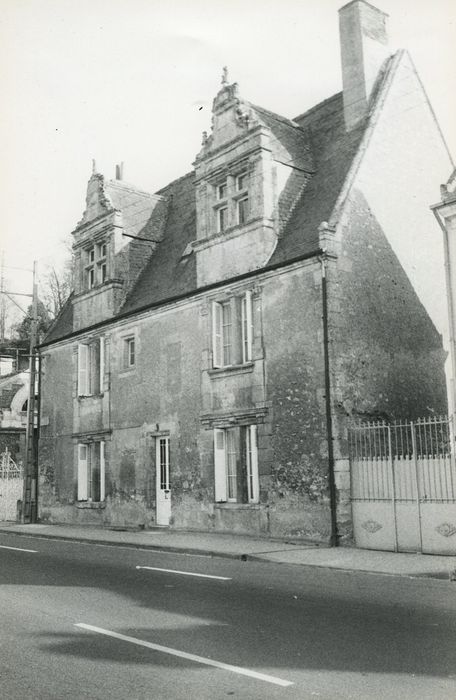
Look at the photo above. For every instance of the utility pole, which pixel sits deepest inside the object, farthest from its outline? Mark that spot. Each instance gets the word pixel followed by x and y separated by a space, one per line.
pixel 29 499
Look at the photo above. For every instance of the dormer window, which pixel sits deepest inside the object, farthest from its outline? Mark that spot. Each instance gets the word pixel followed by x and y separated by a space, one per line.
pixel 102 269
pixel 96 269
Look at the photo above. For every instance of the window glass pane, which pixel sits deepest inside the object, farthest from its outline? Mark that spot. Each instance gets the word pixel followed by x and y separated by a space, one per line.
pixel 164 466
pixel 94 490
pixel 243 210
pixel 221 191
pixel 221 214
pixel 231 461
pixel 227 333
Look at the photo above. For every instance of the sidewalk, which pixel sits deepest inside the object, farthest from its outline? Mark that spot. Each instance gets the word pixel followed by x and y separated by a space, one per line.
pixel 249 548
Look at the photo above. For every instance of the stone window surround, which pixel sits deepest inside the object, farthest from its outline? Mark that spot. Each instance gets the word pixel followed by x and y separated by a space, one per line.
pixel 90 358
pixel 96 263
pixel 242 331
pixel 125 369
pixel 231 193
pixel 240 441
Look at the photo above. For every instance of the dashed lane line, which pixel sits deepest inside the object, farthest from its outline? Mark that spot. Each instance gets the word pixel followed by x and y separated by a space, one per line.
pixel 184 655
pixel 185 573
pixel 19 549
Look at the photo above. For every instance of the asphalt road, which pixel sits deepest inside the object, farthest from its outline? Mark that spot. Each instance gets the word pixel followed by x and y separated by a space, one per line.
pixel 83 621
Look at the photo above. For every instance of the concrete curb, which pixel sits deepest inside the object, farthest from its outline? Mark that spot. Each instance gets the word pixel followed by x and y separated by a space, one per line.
pixel 191 551
pixel 259 557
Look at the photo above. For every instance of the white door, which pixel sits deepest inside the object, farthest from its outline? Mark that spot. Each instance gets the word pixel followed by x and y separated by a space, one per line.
pixel 163 487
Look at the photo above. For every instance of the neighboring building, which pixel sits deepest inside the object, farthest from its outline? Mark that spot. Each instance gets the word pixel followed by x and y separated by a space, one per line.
pixel 14 392
pixel 225 331
pixel 445 212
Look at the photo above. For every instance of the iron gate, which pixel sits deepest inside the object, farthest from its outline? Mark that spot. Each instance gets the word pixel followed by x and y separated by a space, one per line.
pixel 11 485
pixel 403 485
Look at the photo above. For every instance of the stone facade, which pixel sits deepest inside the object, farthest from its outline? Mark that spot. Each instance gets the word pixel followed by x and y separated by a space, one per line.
pixel 225 331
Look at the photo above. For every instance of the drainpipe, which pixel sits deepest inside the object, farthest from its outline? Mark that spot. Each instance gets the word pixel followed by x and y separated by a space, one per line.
pixel 334 540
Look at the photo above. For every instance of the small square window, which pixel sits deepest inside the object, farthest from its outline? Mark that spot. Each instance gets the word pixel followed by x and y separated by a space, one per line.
pixel 129 352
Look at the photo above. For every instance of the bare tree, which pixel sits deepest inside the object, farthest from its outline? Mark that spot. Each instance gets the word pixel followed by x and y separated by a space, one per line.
pixel 56 285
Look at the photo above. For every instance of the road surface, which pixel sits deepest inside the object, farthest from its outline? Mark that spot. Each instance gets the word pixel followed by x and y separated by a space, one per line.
pixel 90 621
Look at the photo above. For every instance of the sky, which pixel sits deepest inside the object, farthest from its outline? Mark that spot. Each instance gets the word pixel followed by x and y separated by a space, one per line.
pixel 134 82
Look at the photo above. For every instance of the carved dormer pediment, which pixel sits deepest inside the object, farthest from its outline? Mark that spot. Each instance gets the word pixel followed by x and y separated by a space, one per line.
pixel 232 117
pixel 249 172
pixel 98 202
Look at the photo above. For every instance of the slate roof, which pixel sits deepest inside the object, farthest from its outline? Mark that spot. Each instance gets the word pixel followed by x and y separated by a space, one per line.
pixel 333 151
pixel 63 324
pixel 168 272
pixel 136 207
pixel 323 152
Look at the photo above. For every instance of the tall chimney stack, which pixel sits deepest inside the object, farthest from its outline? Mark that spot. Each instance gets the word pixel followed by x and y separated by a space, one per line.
pixel 364 49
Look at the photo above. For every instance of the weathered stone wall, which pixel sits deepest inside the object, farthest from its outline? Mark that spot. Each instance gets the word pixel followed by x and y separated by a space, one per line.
pixel 296 468
pixel 173 389
pixel 57 470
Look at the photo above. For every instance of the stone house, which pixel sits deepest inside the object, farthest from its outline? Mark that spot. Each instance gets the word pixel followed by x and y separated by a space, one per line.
pixel 224 331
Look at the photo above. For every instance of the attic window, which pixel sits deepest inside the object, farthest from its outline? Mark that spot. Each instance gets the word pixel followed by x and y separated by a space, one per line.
pixel 96 268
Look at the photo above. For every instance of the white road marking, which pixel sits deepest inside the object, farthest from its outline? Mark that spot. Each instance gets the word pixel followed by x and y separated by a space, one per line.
pixel 183 655
pixel 18 549
pixel 184 573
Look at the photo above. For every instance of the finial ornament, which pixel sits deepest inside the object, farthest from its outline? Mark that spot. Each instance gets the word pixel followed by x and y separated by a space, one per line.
pixel 225 76
pixel 94 166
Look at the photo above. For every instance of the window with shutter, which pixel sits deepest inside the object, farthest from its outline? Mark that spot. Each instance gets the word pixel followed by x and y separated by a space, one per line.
pixel 232 331
pixel 236 465
pixel 91 471
pixel 91 360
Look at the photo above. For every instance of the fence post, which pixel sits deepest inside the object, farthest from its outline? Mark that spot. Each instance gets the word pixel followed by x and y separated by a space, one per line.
pixel 393 486
pixel 415 460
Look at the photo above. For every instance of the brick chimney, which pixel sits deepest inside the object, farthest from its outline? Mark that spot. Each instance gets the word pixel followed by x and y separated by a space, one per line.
pixel 364 49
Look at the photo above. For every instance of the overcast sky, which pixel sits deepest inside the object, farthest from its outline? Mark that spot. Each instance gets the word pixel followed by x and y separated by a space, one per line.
pixel 134 80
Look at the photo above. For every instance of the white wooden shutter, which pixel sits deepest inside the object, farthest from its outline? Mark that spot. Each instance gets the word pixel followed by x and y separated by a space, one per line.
pixel 247 327
pixel 102 470
pixel 217 344
pixel 253 480
pixel 102 364
pixel 219 465
pixel 82 472
pixel 83 366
